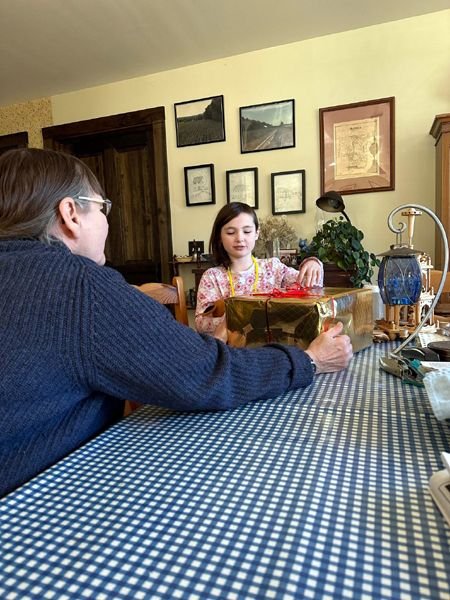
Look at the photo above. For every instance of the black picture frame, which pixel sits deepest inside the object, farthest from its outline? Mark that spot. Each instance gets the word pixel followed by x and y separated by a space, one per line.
pixel 200 121
pixel 199 185
pixel 242 186
pixel 268 126
pixel 288 192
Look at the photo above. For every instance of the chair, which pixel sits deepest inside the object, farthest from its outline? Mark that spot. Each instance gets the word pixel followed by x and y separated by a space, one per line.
pixel 170 295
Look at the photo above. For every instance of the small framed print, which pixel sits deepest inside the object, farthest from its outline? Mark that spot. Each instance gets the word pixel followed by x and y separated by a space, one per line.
pixel 200 121
pixel 288 192
pixel 242 186
pixel 199 185
pixel 357 147
pixel 269 126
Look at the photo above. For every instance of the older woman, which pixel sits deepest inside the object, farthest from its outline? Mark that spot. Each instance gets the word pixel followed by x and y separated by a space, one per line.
pixel 77 340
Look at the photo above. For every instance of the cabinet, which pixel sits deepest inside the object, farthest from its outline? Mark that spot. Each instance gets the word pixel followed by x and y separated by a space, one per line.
pixel 440 130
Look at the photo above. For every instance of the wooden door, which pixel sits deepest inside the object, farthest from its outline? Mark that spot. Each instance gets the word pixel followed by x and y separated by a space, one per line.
pixel 440 130
pixel 130 163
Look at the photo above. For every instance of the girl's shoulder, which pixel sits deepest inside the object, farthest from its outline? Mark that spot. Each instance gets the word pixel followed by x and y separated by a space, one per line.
pixel 215 271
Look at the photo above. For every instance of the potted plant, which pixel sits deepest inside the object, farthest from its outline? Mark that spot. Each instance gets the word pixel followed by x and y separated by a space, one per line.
pixel 338 245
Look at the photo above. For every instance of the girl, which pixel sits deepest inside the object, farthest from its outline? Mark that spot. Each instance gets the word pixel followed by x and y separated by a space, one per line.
pixel 239 273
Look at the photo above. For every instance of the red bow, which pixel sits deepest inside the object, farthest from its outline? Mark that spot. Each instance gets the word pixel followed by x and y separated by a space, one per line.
pixel 294 291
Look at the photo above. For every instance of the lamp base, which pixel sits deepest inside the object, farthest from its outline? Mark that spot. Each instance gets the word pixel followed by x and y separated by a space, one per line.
pixel 402 367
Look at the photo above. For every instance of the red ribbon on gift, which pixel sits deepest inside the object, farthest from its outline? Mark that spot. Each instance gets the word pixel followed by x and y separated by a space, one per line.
pixel 294 291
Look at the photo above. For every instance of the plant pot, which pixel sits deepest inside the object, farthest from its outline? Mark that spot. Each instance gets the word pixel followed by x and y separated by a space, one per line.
pixel 333 276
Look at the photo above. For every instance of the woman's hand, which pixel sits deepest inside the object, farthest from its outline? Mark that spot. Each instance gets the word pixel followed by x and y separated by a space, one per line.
pixel 310 273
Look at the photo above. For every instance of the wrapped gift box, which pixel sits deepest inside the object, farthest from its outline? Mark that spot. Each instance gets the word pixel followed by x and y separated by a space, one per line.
pixel 257 320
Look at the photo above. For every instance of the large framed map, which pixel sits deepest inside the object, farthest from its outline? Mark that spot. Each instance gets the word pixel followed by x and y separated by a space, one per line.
pixel 357 149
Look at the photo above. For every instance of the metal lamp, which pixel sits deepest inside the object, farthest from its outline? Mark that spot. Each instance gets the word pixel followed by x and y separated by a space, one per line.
pixel 400 276
pixel 332 202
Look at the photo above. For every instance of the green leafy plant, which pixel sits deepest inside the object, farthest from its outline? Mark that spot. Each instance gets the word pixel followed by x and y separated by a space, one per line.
pixel 339 242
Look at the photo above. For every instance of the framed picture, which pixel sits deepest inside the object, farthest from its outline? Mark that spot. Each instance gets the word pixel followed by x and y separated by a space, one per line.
pixel 357 147
pixel 200 121
pixel 242 186
pixel 199 185
pixel 288 192
pixel 267 126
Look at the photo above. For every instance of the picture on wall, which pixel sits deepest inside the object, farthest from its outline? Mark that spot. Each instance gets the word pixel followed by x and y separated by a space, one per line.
pixel 357 147
pixel 288 192
pixel 200 121
pixel 242 186
pixel 269 126
pixel 199 185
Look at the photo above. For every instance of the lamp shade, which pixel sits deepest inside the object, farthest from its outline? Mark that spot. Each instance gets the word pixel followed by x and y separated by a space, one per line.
pixel 400 277
pixel 332 202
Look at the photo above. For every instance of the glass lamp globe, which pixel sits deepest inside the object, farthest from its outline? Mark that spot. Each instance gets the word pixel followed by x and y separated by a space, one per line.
pixel 400 276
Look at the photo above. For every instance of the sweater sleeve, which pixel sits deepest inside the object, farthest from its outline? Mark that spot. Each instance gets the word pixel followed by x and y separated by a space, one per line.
pixel 141 353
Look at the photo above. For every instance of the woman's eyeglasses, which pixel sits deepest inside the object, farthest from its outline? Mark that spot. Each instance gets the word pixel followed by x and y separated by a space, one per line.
pixel 106 204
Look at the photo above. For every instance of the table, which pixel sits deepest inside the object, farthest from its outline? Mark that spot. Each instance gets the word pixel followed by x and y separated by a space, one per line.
pixel 320 493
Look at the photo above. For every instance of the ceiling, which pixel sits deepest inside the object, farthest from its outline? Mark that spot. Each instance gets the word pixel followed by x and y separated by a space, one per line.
pixel 49 47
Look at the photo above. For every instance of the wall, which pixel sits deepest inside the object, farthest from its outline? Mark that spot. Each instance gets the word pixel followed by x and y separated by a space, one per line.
pixel 408 59
pixel 27 116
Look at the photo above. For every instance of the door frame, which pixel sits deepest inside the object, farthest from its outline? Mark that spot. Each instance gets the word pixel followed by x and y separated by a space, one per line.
pixel 152 122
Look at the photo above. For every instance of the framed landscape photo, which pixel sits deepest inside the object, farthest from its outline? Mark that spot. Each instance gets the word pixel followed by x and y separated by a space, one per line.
pixel 200 121
pixel 242 186
pixel 268 126
pixel 199 185
pixel 357 149
pixel 288 192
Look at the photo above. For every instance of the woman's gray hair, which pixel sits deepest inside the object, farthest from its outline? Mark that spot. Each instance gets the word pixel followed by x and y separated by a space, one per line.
pixel 33 181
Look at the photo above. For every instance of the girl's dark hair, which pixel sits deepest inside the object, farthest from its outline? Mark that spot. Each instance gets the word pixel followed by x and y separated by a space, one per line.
pixel 32 183
pixel 224 216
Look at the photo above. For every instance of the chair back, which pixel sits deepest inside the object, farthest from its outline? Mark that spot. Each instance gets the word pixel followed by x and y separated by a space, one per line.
pixel 169 294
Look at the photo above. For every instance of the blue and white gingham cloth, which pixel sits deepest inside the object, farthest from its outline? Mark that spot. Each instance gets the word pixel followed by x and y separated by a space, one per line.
pixel 321 493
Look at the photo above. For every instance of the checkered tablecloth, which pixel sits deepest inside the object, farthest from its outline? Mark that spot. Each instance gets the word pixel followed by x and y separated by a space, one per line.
pixel 321 493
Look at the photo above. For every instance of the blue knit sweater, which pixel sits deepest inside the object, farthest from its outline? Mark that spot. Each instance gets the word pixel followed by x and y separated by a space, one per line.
pixel 76 340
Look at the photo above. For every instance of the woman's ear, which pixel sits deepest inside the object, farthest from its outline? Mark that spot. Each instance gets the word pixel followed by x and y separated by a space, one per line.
pixel 257 234
pixel 69 219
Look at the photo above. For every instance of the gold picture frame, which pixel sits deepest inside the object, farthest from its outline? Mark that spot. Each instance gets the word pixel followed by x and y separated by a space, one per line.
pixel 357 149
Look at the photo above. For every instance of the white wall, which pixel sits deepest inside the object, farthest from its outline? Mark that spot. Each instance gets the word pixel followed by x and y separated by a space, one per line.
pixel 408 59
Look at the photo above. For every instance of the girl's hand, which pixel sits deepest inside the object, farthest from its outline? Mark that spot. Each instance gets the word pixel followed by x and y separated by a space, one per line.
pixel 310 273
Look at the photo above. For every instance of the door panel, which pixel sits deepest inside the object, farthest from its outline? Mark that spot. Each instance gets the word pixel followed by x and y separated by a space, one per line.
pixel 128 155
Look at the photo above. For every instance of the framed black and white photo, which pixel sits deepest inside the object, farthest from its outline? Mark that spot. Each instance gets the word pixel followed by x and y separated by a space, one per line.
pixel 288 192
pixel 200 121
pixel 199 185
pixel 269 126
pixel 242 186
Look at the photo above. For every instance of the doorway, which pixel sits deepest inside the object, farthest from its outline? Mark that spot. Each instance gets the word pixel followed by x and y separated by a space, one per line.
pixel 12 141
pixel 127 153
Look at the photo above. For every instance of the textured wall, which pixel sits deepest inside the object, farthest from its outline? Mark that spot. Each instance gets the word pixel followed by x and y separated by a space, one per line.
pixel 27 116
